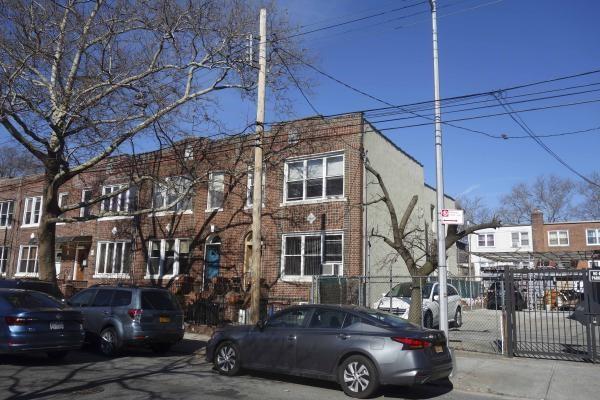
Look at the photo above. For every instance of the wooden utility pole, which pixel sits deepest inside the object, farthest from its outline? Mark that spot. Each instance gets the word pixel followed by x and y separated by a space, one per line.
pixel 257 176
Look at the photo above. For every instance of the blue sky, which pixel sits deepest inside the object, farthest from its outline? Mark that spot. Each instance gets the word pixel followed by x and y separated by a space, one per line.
pixel 497 45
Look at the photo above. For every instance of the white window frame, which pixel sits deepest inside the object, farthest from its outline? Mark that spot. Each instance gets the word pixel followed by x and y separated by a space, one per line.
pixel 112 275
pixel 35 272
pixel 61 197
pixel 89 208
pixel 597 230
pixel 520 239
pixel 7 207
pixel 164 190
pixel 211 176
pixel 324 196
pixel 593 263
pixel 250 186
pixel 303 235
pixel 557 232
pixel 163 250
pixel 188 152
pixel 30 201
pixel 487 240
pixel 118 197
pixel 4 253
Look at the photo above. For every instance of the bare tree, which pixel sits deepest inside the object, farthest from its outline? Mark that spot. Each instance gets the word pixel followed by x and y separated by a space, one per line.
pixel 410 242
pixel 475 209
pixel 589 207
pixel 551 194
pixel 14 163
pixel 80 80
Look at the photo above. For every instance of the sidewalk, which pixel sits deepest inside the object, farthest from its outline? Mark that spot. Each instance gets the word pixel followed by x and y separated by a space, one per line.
pixel 516 378
pixel 526 378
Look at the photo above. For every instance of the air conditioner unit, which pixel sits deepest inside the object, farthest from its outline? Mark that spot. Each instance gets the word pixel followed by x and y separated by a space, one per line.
pixel 331 269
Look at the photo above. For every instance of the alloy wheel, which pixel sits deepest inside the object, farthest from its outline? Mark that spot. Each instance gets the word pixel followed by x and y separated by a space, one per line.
pixel 226 358
pixel 356 377
pixel 107 341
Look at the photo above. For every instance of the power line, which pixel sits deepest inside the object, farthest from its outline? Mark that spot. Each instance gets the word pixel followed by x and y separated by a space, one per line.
pixel 296 82
pixel 519 121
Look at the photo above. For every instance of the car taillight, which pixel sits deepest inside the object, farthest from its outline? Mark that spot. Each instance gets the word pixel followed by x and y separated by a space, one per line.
pixel 411 343
pixel 135 313
pixel 13 321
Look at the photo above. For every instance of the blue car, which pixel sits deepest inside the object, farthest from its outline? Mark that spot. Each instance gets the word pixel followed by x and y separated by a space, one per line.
pixel 32 321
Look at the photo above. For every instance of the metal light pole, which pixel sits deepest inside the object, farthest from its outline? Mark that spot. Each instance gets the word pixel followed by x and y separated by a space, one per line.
pixel 439 175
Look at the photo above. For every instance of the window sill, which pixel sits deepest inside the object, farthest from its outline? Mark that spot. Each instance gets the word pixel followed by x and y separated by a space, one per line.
pixel 27 275
pixel 298 279
pixel 593 244
pixel 5 227
pixel 558 245
pixel 158 277
pixel 118 217
pixel 111 276
pixel 30 225
pixel 209 210
pixel 165 213
pixel 313 201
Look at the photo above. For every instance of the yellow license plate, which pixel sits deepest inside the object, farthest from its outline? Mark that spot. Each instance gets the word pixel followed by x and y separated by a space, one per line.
pixel 165 320
pixel 439 348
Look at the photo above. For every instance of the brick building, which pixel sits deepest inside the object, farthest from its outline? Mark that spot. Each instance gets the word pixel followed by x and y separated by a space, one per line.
pixel 314 220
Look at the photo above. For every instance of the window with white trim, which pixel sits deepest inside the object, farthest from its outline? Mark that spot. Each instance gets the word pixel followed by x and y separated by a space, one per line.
pixel 28 261
pixel 314 178
pixel 123 201
pixel 86 195
pixel 188 152
pixel 32 210
pixel 63 200
pixel 592 237
pixel 558 238
pixel 250 188
pixel 485 240
pixel 593 263
pixel 520 239
pixel 4 259
pixel 172 189
pixel 305 254
pixel 113 259
pixel 216 191
pixel 168 257
pixel 7 208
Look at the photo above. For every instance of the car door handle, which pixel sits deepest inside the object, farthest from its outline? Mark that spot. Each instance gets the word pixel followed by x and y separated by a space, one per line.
pixel 291 338
pixel 343 336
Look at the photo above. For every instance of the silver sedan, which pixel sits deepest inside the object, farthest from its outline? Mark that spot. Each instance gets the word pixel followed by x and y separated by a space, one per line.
pixel 357 347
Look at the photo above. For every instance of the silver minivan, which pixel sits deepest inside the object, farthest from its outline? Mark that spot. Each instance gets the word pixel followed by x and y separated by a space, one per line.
pixel 119 316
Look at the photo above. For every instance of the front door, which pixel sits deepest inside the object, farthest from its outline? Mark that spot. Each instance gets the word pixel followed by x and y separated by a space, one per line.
pixel 81 255
pixel 212 261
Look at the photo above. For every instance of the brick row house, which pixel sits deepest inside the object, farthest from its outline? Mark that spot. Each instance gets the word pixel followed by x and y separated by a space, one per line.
pixel 314 220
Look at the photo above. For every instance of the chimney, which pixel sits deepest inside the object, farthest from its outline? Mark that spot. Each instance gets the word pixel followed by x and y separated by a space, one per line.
pixel 537 230
pixel 537 217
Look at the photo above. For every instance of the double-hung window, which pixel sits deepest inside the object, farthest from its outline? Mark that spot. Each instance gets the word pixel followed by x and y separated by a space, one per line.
pixel 174 188
pixel 485 240
pixel 32 211
pixel 520 239
pixel 314 178
pixel 168 257
pixel 28 261
pixel 113 259
pixel 250 188
pixel 308 254
pixel 86 196
pixel 216 191
pixel 7 209
pixel 4 260
pixel 122 201
pixel 558 238
pixel 592 237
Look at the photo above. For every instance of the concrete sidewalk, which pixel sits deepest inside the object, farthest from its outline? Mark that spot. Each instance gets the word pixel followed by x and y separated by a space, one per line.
pixel 516 378
pixel 526 378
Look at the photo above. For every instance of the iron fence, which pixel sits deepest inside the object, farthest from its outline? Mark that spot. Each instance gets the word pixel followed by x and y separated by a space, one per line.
pixel 204 312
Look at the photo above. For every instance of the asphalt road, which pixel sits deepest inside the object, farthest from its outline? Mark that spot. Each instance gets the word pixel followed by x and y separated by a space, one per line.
pixel 181 374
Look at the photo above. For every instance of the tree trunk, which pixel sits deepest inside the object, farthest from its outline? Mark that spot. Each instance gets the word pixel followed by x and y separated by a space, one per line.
pixel 415 314
pixel 47 233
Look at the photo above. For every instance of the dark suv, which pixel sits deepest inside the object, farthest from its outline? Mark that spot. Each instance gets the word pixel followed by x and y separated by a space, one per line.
pixel 32 284
pixel 117 316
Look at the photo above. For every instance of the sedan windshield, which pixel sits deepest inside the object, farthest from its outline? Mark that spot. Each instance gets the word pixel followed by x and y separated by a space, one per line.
pixel 404 289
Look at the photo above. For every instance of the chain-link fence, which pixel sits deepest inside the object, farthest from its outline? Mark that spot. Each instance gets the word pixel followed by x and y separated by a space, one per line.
pixel 474 305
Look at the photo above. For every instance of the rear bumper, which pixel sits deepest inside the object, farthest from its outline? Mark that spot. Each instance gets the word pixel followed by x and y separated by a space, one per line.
pixel 417 369
pixel 23 345
pixel 150 337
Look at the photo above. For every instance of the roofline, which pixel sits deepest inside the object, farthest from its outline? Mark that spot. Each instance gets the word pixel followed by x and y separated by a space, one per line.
pixel 597 221
pixel 434 189
pixel 377 131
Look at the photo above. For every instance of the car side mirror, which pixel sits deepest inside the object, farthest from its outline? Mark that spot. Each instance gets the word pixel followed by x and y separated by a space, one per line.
pixel 260 325
pixel 436 297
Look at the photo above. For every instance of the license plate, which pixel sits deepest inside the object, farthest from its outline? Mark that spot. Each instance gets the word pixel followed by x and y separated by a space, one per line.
pixel 57 326
pixel 439 348
pixel 164 320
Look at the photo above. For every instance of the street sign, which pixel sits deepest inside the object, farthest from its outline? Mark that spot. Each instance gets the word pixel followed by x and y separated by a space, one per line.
pixel 452 217
pixel 594 275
